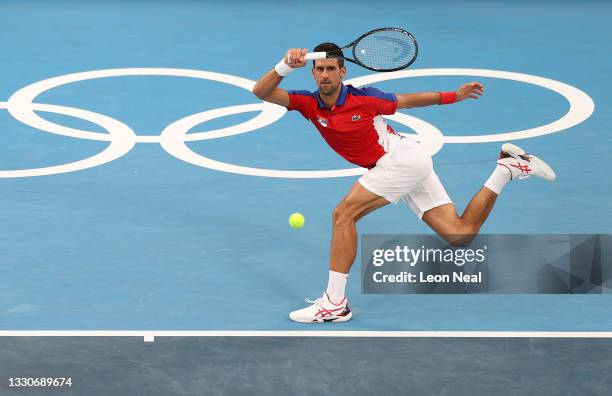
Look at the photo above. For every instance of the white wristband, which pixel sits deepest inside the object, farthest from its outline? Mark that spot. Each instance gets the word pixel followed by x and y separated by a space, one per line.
pixel 282 68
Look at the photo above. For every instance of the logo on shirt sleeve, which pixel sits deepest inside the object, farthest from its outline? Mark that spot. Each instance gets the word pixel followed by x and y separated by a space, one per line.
pixel 322 121
pixel 356 117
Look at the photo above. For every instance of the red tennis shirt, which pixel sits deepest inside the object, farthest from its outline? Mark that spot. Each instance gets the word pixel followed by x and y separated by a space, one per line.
pixel 353 127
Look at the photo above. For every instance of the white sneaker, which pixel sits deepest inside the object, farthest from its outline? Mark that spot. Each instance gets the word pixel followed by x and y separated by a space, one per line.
pixel 522 165
pixel 322 310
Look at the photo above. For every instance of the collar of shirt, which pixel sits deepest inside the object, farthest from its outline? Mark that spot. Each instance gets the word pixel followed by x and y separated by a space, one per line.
pixel 339 102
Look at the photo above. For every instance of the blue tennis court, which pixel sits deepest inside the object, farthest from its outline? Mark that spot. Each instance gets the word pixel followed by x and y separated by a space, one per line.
pixel 145 188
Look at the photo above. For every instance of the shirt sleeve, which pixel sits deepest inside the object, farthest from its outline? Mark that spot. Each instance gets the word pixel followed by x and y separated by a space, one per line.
pixel 301 101
pixel 383 103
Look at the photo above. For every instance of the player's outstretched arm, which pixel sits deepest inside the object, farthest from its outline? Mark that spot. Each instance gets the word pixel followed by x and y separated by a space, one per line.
pixel 267 86
pixel 472 90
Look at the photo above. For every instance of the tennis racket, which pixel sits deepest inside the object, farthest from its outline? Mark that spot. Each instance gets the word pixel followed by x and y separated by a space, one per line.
pixel 384 50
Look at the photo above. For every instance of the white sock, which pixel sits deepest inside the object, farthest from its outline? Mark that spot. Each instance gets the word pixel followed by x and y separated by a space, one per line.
pixel 336 286
pixel 498 179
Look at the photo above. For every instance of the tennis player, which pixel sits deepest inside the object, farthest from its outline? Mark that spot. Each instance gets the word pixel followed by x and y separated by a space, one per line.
pixel 350 120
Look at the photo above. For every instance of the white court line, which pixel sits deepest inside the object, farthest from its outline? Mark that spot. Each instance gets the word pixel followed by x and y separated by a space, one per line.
pixel 149 336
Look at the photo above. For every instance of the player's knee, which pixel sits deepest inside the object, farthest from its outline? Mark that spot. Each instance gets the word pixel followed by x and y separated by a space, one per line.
pixel 462 234
pixel 458 240
pixel 343 214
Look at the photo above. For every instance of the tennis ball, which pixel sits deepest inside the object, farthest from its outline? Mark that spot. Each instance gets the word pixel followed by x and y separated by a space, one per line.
pixel 296 220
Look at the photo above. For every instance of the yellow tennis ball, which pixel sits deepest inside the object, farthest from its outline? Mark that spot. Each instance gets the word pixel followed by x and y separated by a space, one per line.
pixel 296 220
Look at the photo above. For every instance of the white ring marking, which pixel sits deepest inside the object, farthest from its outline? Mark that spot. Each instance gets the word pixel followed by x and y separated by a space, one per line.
pixel 581 105
pixel 121 136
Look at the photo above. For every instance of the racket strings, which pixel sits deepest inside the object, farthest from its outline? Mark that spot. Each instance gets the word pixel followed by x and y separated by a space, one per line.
pixel 386 50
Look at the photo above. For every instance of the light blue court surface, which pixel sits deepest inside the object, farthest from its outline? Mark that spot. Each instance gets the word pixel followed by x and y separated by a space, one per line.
pixel 151 242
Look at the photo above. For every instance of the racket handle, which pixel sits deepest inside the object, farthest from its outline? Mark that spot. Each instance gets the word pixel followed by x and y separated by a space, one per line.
pixel 315 55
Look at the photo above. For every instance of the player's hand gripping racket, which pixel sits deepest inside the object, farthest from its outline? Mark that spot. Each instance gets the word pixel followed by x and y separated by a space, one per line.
pixel 383 50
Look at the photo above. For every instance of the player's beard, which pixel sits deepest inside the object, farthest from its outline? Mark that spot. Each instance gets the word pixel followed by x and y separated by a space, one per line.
pixel 328 89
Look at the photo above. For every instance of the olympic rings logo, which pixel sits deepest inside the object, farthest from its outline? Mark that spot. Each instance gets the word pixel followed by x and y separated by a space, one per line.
pixel 174 137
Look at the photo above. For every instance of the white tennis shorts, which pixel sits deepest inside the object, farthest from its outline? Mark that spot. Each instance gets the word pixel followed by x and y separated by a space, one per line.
pixel 407 173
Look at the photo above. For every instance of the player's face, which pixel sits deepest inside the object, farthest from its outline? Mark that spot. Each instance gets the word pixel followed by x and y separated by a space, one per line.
pixel 328 75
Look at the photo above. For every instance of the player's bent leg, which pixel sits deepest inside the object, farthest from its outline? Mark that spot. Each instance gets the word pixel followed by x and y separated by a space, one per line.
pixel 513 163
pixel 333 305
pixel 358 202
pixel 430 202
pixel 445 221
pixel 395 174
pixel 461 230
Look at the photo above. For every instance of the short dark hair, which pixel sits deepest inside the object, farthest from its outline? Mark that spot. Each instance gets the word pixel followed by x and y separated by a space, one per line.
pixel 329 47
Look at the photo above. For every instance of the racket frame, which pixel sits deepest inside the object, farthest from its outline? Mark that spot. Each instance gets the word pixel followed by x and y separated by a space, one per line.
pixel 355 60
